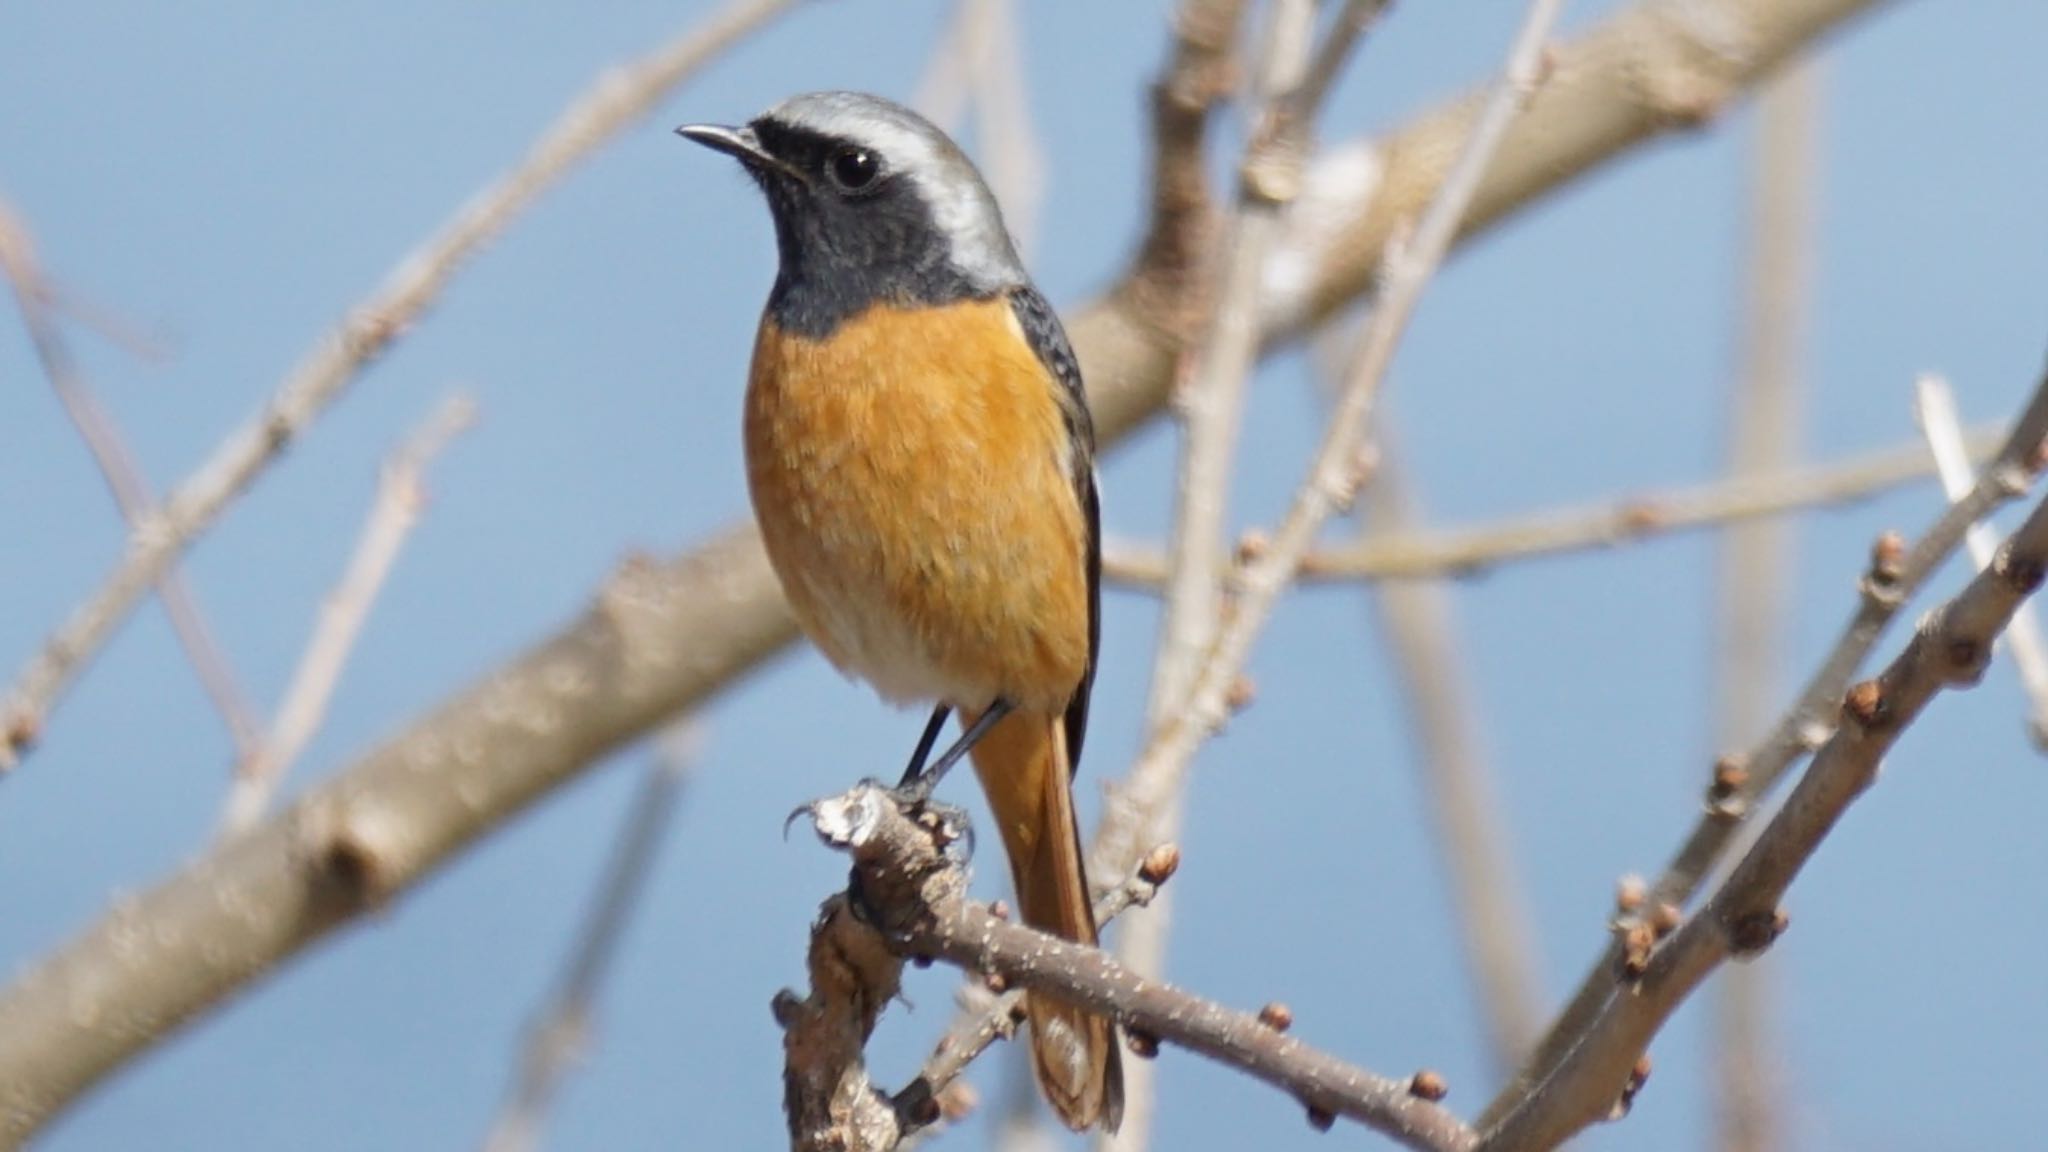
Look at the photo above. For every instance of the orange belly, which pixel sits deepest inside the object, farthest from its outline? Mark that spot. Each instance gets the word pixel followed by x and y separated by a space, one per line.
pixel 911 475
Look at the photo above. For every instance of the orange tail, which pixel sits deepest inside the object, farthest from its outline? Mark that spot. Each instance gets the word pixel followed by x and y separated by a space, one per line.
pixel 1023 767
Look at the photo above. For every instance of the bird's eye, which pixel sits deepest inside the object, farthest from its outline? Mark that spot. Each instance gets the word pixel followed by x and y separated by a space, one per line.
pixel 854 168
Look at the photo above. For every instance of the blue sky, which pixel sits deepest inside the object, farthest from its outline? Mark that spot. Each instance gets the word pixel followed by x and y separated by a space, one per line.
pixel 232 180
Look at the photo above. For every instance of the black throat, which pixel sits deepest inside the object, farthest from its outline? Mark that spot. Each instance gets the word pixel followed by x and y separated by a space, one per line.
pixel 840 254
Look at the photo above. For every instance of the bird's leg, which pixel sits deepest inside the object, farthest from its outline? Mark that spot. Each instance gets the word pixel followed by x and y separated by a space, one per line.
pixel 917 784
pixel 925 742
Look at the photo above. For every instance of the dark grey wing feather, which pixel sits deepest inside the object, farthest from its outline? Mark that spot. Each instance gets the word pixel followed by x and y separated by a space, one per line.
pixel 1049 340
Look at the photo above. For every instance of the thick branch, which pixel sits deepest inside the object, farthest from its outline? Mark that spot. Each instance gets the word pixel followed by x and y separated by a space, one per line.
pixel 662 638
pixel 1654 69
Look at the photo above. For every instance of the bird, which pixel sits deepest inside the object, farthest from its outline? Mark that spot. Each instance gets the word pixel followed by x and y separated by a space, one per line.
pixel 920 459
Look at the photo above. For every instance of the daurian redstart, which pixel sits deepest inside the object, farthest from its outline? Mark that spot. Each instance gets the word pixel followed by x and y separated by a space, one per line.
pixel 921 462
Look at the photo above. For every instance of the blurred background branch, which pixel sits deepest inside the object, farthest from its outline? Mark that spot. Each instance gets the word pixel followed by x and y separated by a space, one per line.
pixel 1757 558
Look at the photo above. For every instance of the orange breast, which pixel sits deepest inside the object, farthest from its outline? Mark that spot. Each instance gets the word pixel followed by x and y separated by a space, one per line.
pixel 911 475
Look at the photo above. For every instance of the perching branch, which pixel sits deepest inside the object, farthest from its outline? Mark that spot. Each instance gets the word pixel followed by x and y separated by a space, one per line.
pixel 662 637
pixel 912 892
pixel 618 99
pixel 1950 649
pixel 1453 552
pixel 994 1015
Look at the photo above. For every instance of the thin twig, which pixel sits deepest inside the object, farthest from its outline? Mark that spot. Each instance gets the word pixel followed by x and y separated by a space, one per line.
pixel 1462 552
pixel 1936 407
pixel 619 98
pixel 1896 573
pixel 914 891
pixel 1353 21
pixel 559 1036
pixel 36 298
pixel 1210 405
pixel 401 494
pixel 1469 832
pixel 1756 557
pixel 1950 649
pixel 143 344
pixel 1332 477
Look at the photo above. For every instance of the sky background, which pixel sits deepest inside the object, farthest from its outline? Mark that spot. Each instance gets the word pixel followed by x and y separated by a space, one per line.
pixel 233 178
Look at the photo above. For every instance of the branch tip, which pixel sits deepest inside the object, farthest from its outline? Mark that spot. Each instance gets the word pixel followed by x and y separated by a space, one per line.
pixel 1751 934
pixel 1143 1044
pixel 1865 704
pixel 2023 573
pixel 1887 559
pixel 1277 1016
pixel 1428 1084
pixel 1160 864
pixel 1665 918
pixel 1629 893
pixel 1637 941
pixel 1638 1076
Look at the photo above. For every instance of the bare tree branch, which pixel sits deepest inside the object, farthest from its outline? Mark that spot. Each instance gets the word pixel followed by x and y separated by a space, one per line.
pixel 1472 551
pixel 1936 407
pixel 1163 296
pixel 1950 649
pixel 1657 67
pixel 660 638
pixel 914 894
pixel 1896 573
pixel 34 295
pixel 560 1034
pixel 617 99
pixel 1210 406
pixel 1332 477
pixel 401 494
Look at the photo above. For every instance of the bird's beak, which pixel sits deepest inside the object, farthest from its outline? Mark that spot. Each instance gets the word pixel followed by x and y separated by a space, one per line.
pixel 739 143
